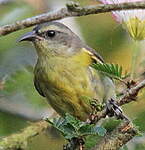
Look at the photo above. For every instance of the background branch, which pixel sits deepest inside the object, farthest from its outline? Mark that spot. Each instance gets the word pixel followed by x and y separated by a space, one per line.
pixel 24 111
pixel 71 10
pixel 19 141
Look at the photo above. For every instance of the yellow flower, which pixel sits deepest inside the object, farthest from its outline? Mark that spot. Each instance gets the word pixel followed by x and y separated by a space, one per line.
pixel 136 28
pixel 132 20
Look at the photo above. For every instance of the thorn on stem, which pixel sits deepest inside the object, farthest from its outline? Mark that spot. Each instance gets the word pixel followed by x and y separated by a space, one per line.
pixel 131 84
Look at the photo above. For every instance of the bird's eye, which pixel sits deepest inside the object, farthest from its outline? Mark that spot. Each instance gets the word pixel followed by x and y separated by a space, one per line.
pixel 50 33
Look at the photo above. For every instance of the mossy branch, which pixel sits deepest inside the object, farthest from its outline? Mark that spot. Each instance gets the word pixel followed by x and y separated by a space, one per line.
pixel 19 141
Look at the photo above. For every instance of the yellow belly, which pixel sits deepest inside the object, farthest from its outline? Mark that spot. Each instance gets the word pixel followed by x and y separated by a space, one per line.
pixel 67 87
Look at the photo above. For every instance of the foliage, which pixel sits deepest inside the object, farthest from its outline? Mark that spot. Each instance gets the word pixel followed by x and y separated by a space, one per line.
pixel 71 127
pixel 111 70
pixel 110 124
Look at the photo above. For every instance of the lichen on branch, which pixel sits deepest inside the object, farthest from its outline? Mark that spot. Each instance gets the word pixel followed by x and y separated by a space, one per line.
pixel 20 140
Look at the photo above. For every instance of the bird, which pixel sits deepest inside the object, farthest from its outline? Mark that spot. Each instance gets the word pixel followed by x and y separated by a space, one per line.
pixel 64 74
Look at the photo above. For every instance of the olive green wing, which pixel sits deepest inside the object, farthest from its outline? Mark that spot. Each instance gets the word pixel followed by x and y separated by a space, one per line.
pixel 96 57
pixel 104 85
pixel 37 86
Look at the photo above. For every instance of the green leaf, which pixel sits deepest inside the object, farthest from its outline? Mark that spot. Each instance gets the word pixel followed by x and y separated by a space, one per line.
pixel 58 123
pixel 111 70
pixel 87 130
pixel 92 130
pixel 71 127
pixel 67 126
pixel 100 130
pixel 73 121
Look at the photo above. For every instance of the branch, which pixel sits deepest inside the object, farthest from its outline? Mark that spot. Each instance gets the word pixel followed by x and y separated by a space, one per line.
pixel 71 10
pixel 129 96
pixel 118 137
pixel 19 141
pixel 23 110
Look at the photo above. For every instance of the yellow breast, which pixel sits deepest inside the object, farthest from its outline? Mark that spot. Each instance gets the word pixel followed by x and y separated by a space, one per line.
pixel 66 84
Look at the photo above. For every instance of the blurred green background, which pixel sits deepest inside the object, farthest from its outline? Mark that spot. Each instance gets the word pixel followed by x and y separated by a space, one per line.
pixel 19 101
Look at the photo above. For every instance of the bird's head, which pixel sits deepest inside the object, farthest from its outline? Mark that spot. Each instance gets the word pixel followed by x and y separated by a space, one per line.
pixel 53 38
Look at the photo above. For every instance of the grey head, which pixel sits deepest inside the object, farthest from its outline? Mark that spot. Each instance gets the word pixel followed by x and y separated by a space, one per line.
pixel 54 38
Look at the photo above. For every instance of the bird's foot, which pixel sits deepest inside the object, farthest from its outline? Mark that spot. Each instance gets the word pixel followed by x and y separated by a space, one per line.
pixel 112 109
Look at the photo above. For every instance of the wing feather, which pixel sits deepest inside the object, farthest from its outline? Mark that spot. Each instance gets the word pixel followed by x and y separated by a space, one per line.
pixel 37 86
pixel 108 90
pixel 96 57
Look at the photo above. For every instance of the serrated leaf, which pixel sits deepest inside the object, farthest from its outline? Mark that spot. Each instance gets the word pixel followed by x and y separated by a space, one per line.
pixel 87 130
pixel 71 127
pixel 92 130
pixel 73 121
pixel 111 70
pixel 58 124
pixel 100 130
pixel 70 132
pixel 65 126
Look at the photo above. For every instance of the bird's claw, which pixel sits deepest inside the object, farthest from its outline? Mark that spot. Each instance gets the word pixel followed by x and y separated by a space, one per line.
pixel 112 109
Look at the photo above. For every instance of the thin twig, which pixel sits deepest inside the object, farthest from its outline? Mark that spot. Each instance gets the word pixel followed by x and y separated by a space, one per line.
pixel 129 96
pixel 71 10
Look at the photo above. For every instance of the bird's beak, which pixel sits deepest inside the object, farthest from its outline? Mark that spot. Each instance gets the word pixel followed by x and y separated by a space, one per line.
pixel 30 36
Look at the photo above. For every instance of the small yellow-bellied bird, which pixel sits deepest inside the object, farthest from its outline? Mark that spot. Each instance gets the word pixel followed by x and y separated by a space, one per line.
pixel 63 73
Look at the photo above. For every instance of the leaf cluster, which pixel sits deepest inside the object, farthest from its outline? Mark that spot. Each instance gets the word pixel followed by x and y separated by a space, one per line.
pixel 112 70
pixel 70 127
